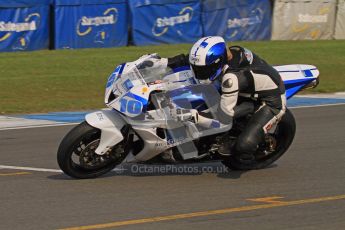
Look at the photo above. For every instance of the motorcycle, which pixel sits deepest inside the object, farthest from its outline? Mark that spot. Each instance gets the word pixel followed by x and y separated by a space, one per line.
pixel 138 125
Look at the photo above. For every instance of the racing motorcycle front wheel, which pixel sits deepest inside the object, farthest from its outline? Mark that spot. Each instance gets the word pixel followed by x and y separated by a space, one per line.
pixel 76 154
pixel 274 146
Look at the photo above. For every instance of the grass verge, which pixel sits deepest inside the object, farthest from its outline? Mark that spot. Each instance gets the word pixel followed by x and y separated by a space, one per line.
pixel 67 80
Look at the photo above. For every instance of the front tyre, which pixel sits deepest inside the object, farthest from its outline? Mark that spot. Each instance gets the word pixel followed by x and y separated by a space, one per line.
pixel 282 138
pixel 76 154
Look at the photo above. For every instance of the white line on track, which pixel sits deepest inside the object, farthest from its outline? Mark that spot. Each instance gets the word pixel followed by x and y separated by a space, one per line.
pixel 41 169
pixel 39 126
pixel 29 168
pixel 75 123
pixel 312 106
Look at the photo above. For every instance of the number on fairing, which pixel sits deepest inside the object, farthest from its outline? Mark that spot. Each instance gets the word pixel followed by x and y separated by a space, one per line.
pixel 130 106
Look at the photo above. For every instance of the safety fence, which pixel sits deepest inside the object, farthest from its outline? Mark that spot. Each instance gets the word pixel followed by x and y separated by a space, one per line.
pixel 70 24
pixel 300 19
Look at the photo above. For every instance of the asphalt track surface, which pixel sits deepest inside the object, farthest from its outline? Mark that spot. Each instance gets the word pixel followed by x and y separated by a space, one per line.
pixel 305 189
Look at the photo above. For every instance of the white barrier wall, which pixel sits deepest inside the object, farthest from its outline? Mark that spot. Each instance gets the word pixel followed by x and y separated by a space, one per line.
pixel 340 21
pixel 304 19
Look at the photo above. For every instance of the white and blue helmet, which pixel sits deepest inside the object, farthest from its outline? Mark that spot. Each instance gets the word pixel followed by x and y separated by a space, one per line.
pixel 208 57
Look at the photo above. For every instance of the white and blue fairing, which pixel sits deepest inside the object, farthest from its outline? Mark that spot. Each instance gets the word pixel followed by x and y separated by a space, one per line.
pixel 128 88
pixel 298 77
pixel 295 78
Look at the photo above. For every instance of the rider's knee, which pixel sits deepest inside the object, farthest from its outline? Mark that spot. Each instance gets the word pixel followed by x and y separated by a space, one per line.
pixel 248 141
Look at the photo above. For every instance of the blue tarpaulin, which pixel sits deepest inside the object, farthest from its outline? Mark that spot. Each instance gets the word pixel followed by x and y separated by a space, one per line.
pixel 237 19
pixel 90 23
pixel 24 25
pixel 23 3
pixel 165 21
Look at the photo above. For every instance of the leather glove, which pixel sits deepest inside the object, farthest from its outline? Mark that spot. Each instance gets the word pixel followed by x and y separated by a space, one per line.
pixel 184 115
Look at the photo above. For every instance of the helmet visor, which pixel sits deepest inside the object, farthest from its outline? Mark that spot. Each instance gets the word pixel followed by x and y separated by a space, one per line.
pixel 207 72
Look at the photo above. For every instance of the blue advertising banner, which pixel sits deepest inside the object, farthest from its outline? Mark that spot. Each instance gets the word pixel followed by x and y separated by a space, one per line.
pixel 238 19
pixel 165 21
pixel 24 25
pixel 90 23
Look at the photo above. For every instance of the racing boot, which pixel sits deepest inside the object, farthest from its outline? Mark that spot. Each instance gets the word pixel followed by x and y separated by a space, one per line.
pixel 225 145
pixel 168 157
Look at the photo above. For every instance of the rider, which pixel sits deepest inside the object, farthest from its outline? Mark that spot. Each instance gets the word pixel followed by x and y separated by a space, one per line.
pixel 241 73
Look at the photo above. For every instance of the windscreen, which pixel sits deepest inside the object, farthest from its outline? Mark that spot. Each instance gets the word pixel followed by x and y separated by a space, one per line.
pixel 152 70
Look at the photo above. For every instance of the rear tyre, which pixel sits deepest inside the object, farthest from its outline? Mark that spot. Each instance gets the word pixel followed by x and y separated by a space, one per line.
pixel 283 136
pixel 76 154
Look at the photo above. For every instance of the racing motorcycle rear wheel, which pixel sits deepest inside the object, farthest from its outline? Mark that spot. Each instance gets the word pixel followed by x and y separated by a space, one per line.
pixel 272 149
pixel 76 154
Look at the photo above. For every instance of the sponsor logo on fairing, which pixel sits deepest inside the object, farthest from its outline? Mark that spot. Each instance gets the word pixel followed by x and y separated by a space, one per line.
pixel 100 116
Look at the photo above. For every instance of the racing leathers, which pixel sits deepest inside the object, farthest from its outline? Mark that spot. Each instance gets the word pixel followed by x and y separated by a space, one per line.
pixel 246 75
